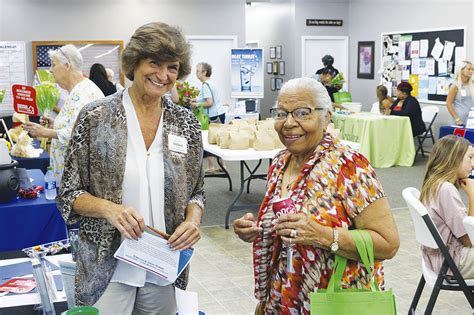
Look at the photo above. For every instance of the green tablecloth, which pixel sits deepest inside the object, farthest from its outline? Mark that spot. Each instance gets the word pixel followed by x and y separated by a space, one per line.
pixel 384 140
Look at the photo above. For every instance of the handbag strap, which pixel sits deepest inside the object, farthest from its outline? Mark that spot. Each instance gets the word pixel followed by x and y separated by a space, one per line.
pixel 212 95
pixel 365 248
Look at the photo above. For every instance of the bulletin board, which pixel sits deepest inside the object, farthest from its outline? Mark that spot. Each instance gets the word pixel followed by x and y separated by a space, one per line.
pixel 12 71
pixel 106 52
pixel 426 59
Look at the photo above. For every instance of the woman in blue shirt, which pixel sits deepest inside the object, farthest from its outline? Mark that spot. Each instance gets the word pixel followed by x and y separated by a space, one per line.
pixel 209 98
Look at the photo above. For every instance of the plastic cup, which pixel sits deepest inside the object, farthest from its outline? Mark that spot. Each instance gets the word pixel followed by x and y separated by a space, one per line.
pixel 83 310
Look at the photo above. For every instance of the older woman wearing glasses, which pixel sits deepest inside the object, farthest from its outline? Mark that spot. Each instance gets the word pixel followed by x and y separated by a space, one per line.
pixel 66 64
pixel 334 189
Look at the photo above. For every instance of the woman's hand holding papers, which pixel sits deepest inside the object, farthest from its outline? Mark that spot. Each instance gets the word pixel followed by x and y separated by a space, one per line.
pixel 127 220
pixel 187 233
pixel 185 236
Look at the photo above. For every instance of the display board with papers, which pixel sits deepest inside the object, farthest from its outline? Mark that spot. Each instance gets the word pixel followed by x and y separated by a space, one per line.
pixel 12 71
pixel 426 59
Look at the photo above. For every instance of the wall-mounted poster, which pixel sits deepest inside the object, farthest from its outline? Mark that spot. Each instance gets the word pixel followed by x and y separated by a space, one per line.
pixel 247 73
pixel 12 71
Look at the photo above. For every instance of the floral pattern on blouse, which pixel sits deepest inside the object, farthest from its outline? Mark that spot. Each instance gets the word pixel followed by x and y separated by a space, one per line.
pixel 339 184
pixel 83 93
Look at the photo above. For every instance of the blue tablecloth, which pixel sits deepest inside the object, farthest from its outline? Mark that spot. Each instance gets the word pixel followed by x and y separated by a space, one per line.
pixel 41 162
pixel 25 222
pixel 460 131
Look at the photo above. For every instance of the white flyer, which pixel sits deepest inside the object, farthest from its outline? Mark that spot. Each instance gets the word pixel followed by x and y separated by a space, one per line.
pixel 152 253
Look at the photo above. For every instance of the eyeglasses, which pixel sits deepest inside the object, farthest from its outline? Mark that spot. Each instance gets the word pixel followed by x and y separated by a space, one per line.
pixel 299 114
pixel 64 55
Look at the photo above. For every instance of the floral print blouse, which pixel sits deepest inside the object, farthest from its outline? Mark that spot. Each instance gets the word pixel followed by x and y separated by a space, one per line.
pixel 83 93
pixel 339 184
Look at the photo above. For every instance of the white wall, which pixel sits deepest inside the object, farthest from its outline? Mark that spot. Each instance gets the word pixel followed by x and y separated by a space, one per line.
pixel 368 19
pixel 320 9
pixel 33 20
pixel 271 24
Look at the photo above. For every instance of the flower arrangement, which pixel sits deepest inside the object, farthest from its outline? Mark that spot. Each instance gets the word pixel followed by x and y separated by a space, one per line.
pixel 338 79
pixel 186 93
pixel 47 95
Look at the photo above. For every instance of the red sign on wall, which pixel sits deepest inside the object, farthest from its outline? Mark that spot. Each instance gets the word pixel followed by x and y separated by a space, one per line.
pixel 24 100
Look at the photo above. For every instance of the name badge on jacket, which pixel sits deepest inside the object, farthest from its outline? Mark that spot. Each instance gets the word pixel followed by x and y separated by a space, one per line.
pixel 463 93
pixel 177 144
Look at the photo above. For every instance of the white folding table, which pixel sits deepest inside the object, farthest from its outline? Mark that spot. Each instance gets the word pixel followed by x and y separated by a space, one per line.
pixel 243 156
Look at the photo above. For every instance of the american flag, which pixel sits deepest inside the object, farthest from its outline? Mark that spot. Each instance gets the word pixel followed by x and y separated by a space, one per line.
pixel 42 57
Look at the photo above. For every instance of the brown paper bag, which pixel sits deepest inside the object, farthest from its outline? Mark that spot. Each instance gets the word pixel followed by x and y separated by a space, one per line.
pixel 239 140
pixel 265 143
pixel 224 140
pixel 213 132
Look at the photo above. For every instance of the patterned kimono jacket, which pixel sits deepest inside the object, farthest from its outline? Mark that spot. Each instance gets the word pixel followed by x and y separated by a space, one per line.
pixel 95 163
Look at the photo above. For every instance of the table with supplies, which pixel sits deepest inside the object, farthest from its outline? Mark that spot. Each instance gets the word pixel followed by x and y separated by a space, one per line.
pixel 246 172
pixel 457 130
pixel 21 267
pixel 28 222
pixel 41 162
pixel 385 141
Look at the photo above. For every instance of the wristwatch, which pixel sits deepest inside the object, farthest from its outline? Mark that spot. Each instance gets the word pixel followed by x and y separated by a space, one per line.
pixel 335 240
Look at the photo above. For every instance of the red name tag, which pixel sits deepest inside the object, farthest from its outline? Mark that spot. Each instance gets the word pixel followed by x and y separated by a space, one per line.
pixel 24 100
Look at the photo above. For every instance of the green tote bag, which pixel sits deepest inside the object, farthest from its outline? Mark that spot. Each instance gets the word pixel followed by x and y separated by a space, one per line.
pixel 342 97
pixel 337 301
pixel 202 117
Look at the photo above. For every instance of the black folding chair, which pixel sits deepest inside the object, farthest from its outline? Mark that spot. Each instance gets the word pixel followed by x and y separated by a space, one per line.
pixel 429 114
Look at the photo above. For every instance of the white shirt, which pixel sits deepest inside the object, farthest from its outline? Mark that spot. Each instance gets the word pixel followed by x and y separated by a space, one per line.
pixel 143 189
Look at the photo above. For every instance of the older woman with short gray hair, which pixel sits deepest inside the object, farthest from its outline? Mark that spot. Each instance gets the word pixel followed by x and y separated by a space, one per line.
pixel 66 65
pixel 334 190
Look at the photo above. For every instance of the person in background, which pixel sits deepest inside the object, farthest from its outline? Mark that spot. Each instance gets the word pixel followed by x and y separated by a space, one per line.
pixel 209 98
pixel 328 62
pixel 66 64
pixel 98 75
pixel 209 95
pixel 110 77
pixel 385 101
pixel 449 167
pixel 325 78
pixel 407 105
pixel 459 100
pixel 135 159
pixel 334 189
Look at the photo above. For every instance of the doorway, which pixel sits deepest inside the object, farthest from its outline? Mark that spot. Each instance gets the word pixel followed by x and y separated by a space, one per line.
pixel 313 48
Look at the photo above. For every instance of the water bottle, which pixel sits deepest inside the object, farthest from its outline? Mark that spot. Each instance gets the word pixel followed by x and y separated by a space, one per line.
pixel 50 185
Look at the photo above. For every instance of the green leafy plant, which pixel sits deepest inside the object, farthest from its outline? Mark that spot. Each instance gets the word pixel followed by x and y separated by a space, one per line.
pixel 45 76
pixel 2 95
pixel 338 79
pixel 47 95
pixel 186 93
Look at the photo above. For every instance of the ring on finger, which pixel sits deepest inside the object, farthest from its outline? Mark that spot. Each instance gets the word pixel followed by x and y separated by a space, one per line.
pixel 293 233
